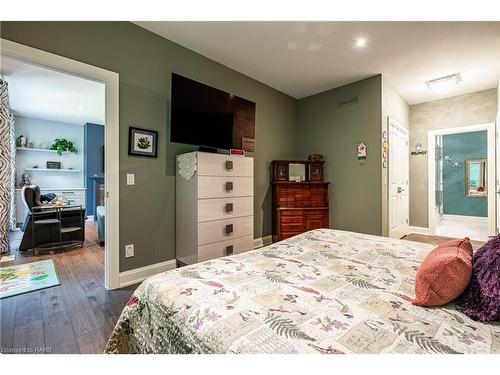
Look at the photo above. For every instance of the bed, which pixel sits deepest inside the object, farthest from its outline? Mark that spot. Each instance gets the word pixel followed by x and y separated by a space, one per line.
pixel 324 291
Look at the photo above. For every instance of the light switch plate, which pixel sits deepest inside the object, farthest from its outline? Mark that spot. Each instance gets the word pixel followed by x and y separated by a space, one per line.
pixel 130 179
pixel 129 251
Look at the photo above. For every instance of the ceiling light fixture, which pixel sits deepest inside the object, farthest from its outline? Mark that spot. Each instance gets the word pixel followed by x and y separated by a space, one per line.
pixel 360 43
pixel 79 109
pixel 443 85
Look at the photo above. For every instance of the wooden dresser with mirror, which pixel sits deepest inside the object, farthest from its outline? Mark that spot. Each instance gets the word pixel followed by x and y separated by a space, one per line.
pixel 300 197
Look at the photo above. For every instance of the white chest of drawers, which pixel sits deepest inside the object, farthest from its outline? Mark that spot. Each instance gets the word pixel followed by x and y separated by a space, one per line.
pixel 214 206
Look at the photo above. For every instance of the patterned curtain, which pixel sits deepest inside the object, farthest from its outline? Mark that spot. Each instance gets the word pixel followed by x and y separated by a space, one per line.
pixel 6 167
pixel 12 182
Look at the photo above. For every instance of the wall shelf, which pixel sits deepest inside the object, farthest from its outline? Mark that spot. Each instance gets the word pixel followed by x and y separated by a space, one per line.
pixel 53 170
pixel 39 150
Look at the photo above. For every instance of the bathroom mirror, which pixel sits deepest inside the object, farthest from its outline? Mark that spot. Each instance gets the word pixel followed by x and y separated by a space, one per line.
pixel 475 178
pixel 296 172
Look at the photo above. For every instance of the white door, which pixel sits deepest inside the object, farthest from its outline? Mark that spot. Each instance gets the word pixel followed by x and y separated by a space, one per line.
pixel 398 180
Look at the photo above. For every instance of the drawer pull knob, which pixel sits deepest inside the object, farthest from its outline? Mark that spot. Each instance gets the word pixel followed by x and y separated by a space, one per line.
pixel 229 250
pixel 229 186
pixel 229 228
pixel 229 165
pixel 229 207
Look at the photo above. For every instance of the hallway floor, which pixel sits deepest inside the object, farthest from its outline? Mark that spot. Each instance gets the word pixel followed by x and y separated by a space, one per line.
pixel 475 229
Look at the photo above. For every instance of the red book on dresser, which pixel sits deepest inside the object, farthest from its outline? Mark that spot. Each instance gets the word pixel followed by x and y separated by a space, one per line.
pixel 300 197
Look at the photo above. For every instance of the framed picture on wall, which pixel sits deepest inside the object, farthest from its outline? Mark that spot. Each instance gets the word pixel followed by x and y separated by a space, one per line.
pixel 142 142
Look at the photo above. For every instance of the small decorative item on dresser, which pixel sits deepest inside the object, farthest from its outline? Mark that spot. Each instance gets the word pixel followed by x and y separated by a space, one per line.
pixel 315 157
pixel 280 171
pixel 316 171
pixel 142 142
pixel 53 165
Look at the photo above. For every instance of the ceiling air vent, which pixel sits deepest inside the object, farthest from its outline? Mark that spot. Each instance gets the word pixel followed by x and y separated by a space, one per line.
pixel 352 98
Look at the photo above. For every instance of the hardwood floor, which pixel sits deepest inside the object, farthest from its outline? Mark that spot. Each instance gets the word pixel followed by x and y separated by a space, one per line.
pixel 436 240
pixel 74 317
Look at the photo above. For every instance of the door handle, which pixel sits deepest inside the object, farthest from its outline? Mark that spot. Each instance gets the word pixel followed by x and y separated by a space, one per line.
pixel 400 190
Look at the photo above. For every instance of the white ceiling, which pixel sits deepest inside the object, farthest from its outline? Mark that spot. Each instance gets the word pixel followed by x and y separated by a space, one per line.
pixel 304 58
pixel 50 95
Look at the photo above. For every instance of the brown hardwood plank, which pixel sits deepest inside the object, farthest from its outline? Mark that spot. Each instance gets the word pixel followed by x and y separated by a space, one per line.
pixel 76 316
pixel 58 333
pixel 7 317
pixel 28 338
pixel 92 342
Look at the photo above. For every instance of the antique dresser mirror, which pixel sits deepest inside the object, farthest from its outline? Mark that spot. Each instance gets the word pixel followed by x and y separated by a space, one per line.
pixel 296 172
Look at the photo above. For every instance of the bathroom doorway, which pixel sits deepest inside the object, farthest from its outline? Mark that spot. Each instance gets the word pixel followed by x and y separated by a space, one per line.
pixel 462 182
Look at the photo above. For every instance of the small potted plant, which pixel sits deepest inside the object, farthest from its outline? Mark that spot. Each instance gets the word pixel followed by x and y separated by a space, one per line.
pixel 62 145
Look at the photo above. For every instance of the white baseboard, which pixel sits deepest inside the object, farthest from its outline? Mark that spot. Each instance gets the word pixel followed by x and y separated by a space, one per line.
pixel 419 230
pixel 262 241
pixel 138 275
pixel 476 219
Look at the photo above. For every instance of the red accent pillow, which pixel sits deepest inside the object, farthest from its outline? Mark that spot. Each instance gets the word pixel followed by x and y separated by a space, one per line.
pixel 444 274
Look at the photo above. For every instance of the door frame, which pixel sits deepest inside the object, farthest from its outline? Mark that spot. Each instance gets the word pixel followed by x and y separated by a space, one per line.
pixel 112 177
pixel 431 166
pixel 393 122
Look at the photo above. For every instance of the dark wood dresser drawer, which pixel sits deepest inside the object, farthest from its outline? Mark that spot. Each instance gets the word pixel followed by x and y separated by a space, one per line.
pixel 299 206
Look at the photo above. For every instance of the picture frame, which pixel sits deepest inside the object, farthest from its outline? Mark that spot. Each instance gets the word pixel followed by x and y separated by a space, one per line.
pixel 281 172
pixel 142 142
pixel 316 172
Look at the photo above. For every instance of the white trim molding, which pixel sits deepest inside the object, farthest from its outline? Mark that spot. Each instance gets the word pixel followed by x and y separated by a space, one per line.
pixel 138 275
pixel 262 241
pixel 112 133
pixel 419 230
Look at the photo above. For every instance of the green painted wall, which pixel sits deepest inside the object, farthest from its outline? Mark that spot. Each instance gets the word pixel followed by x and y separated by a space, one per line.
pixel 325 128
pixel 145 61
pixel 462 147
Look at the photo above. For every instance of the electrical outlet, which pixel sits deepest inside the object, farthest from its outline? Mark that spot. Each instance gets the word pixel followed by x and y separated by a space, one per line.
pixel 129 251
pixel 130 179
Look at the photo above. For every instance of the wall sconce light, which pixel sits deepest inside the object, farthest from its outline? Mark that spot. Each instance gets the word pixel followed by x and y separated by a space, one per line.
pixel 419 150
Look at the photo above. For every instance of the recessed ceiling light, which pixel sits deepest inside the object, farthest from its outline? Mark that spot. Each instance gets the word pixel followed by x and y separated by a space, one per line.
pixel 444 84
pixel 79 109
pixel 360 42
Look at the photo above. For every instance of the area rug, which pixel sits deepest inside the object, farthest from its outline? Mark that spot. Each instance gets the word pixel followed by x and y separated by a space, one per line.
pixel 27 277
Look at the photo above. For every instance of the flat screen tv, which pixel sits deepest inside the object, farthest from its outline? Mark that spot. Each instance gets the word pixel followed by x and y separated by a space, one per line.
pixel 208 117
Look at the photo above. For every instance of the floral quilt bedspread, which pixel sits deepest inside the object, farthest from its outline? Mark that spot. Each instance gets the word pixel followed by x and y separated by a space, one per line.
pixel 325 291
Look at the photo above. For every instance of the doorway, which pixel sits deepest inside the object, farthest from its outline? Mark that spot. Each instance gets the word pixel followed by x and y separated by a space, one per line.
pixel 461 178
pixel 398 180
pixel 110 79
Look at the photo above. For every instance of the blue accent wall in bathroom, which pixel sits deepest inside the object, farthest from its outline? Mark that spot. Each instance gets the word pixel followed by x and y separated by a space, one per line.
pixel 462 147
